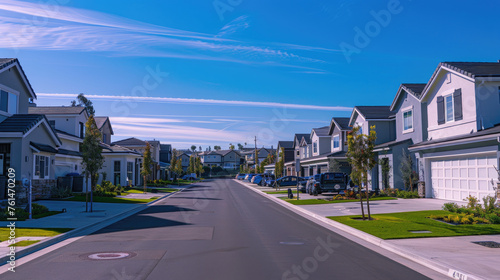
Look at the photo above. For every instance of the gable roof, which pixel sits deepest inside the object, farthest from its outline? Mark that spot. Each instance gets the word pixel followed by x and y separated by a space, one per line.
pixel 101 121
pixel 470 69
pixel 132 141
pixel 106 149
pixel 413 89
pixel 57 110
pixel 285 144
pixel 341 123
pixel 306 139
pixel 321 131
pixel 6 63
pixel 372 113
pixel 43 148
pixel 25 123
pixel 298 137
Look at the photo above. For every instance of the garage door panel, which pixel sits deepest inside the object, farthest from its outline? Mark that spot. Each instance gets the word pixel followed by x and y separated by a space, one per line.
pixel 456 178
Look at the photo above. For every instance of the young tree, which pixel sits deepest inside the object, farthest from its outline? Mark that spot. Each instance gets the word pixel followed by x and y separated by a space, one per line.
pixel 199 166
pixel 83 101
pixel 410 177
pixel 147 163
pixel 362 159
pixel 173 161
pixel 280 164
pixel 178 167
pixel 192 165
pixel 92 159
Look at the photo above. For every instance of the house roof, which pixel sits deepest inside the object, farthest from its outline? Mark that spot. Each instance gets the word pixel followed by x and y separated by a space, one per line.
pixel 65 133
pixel 469 69
pixel 101 121
pixel 413 89
pixel 285 144
pixel 69 152
pixel 489 131
pixel 165 147
pixel 10 62
pixel 393 143
pixel 20 123
pixel 43 147
pixel 374 112
pixel 321 131
pixel 342 123
pixel 57 110
pixel 340 154
pixel 306 138
pixel 132 141
pixel 113 148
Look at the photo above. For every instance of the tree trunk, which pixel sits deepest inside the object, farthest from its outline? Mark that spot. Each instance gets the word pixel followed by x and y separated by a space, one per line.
pixel 367 198
pixel 145 184
pixel 87 195
pixel 361 201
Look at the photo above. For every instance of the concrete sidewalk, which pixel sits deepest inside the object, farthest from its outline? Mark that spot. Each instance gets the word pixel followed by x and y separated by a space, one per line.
pixel 456 257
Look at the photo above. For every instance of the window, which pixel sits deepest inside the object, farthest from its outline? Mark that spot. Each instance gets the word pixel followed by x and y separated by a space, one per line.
pixel 408 120
pixel 116 169
pixel 130 168
pixel 82 130
pixel 8 102
pixel 315 147
pixel 336 141
pixel 104 138
pixel 449 108
pixel 41 166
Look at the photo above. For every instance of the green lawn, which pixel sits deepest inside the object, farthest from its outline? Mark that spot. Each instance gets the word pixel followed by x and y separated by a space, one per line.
pixel 112 199
pixel 399 225
pixel 280 192
pixel 323 201
pixel 160 190
pixel 20 232
pixel 25 243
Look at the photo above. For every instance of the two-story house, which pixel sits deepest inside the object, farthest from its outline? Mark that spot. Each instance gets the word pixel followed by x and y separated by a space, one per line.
pixel 461 151
pixel 338 131
pixel 139 146
pixel 383 119
pixel 28 144
pixel 411 128
pixel 284 149
pixel 290 165
pixel 315 147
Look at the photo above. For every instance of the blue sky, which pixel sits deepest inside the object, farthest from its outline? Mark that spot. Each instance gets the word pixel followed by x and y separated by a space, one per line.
pixel 220 72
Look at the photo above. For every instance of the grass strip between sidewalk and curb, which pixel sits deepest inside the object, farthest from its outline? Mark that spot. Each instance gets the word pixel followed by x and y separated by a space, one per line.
pixel 401 225
pixel 26 232
pixel 324 201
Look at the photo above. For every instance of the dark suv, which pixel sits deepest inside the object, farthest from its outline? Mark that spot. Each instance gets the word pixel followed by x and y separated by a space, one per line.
pixel 327 182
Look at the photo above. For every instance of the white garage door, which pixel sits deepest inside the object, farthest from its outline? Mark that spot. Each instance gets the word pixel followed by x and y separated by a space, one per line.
pixel 457 178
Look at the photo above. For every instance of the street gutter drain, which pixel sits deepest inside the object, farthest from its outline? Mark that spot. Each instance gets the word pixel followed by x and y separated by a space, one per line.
pixel 489 244
pixel 110 255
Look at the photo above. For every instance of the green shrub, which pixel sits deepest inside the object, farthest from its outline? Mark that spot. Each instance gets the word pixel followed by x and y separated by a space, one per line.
pixel 472 202
pixel 407 194
pixel 493 218
pixel 451 207
pixel 59 192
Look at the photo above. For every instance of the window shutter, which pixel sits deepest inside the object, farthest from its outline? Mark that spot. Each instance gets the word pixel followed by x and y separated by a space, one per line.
pixel 457 100
pixel 440 107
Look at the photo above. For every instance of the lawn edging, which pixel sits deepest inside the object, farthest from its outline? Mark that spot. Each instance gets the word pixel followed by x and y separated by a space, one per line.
pixel 73 233
pixel 320 220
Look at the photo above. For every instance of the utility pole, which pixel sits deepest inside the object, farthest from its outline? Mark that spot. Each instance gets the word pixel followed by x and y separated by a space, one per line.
pixel 256 155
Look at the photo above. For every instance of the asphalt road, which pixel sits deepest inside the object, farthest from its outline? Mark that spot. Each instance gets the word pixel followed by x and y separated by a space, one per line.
pixel 215 230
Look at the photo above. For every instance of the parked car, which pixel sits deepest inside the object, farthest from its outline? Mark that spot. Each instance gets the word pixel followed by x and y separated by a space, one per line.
pixel 241 176
pixel 257 179
pixel 289 181
pixel 268 180
pixel 303 184
pixel 249 177
pixel 335 182
pixel 188 177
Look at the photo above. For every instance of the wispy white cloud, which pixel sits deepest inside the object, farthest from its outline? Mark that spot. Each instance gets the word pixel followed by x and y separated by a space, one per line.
pixel 45 27
pixel 201 101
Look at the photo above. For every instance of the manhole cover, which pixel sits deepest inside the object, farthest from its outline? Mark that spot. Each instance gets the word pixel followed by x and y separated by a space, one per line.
pixel 420 231
pixel 489 244
pixel 291 243
pixel 110 255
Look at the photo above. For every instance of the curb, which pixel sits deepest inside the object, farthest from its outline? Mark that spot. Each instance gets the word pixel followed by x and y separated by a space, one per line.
pixel 72 233
pixel 434 265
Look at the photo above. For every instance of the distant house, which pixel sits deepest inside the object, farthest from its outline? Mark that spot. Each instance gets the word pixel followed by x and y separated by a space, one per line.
pixel 184 158
pixel 28 144
pixel 139 146
pixel 227 159
pixel 288 155
pixel 104 125
pixel 290 165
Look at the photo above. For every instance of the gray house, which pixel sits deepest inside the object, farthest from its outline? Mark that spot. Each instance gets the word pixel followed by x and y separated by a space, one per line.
pixel 28 143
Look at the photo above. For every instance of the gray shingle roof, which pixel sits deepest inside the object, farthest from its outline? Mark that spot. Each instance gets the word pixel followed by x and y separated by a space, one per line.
pixel 43 147
pixel 20 123
pixel 375 112
pixel 6 62
pixel 130 142
pixel 286 144
pixel 307 138
pixel 65 133
pixel 321 131
pixel 69 152
pixel 475 69
pixel 117 149
pixel 56 110
pixel 415 89
pixel 343 123
pixel 99 121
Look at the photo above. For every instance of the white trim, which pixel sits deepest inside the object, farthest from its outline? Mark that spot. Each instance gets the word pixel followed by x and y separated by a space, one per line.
pixel 403 111
pixel 438 72
pixel 11 135
pixel 69 137
pixel 446 108
pixel 49 129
